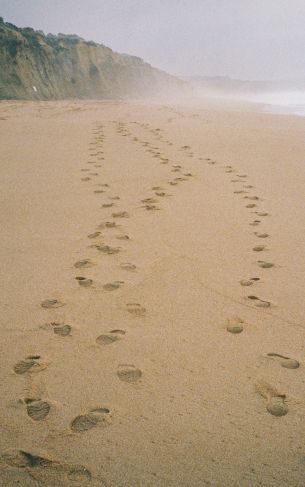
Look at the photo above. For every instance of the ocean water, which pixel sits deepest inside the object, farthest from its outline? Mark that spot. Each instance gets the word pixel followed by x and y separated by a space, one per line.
pixel 289 102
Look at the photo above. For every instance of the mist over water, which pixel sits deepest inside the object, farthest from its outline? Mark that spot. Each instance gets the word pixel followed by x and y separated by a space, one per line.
pixel 284 102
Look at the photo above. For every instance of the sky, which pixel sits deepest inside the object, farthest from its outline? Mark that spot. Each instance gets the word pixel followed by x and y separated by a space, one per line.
pixel 242 39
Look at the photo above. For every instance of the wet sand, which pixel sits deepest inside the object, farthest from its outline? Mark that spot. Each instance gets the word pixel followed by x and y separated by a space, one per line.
pixel 152 295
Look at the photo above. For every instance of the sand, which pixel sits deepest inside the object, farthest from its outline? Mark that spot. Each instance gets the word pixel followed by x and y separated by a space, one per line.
pixel 152 295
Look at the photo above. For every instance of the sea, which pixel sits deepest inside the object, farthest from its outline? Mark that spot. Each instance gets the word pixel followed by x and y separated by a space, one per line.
pixel 286 102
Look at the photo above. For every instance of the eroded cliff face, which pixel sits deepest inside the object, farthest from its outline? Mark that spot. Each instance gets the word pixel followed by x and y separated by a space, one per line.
pixel 46 67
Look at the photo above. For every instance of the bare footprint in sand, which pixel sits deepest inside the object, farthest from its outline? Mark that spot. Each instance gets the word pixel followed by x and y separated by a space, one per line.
pixel 84 281
pixel 235 325
pixel 135 309
pixel 29 364
pixel 96 417
pixel 52 303
pixel 129 373
pixel 287 362
pixel 275 400
pixel 83 264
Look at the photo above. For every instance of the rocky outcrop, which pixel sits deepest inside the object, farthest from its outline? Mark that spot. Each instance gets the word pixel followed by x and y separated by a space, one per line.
pixel 45 67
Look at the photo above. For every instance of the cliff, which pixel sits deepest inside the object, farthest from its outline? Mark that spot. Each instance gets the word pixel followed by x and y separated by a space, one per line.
pixel 45 67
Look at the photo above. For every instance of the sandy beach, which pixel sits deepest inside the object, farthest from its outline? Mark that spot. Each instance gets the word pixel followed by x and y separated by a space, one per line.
pixel 152 295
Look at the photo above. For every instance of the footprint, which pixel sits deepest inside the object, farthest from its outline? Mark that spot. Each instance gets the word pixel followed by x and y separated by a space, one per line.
pixel 85 179
pixel 255 223
pixel 245 282
pixel 260 303
pixel 107 339
pixel 112 286
pixel 129 373
pixel 107 205
pixel 253 198
pixel 40 468
pixel 160 193
pixel 149 207
pixel 261 235
pixel 136 309
pixel 83 264
pixel 61 330
pixel 120 214
pixel 149 200
pixel 275 400
pixel 99 191
pixel 52 303
pixel 38 410
pixel 23 459
pixel 84 281
pixel 259 248
pixel 122 237
pixel 94 235
pixel 265 265
pixel 251 205
pixel 29 364
pixel 108 225
pixel 288 363
pixel 106 249
pixel 127 266
pixel 96 417
pixel 114 198
pixel 262 213
pixel 235 325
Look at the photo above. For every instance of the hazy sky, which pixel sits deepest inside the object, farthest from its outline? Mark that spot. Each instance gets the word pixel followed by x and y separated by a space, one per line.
pixel 246 39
